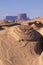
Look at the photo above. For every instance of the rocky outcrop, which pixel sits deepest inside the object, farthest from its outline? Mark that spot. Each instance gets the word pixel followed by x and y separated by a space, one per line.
pixel 18 44
pixel 21 45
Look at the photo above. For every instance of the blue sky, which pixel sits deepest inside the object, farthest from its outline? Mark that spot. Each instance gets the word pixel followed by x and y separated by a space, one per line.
pixel 33 8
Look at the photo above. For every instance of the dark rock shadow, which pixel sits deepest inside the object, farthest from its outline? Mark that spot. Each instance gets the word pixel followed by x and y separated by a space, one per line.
pixel 1 28
pixel 35 36
pixel 11 24
pixel 39 46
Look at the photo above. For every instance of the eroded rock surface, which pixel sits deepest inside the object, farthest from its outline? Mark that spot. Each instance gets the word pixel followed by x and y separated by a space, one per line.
pixel 21 45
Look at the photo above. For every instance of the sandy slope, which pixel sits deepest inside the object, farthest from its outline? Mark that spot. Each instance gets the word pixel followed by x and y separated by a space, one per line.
pixel 20 45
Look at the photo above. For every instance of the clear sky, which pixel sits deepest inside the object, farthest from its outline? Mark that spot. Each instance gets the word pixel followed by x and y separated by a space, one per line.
pixel 33 8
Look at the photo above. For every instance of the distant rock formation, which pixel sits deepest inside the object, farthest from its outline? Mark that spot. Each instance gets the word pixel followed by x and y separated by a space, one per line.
pixel 22 16
pixel 11 17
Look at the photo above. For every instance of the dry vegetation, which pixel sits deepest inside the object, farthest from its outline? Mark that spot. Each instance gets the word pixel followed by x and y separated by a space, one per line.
pixel 21 43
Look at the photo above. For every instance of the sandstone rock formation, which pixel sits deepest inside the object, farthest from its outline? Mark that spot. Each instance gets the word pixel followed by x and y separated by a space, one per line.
pixel 21 45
